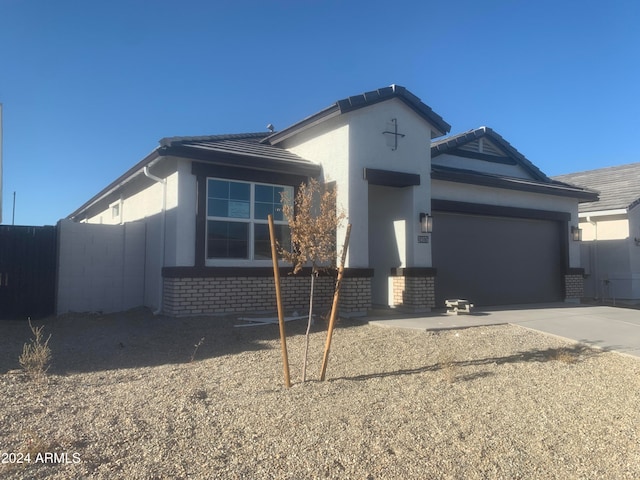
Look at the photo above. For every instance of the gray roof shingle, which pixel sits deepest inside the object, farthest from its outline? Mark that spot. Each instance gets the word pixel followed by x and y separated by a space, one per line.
pixel 363 100
pixel 245 145
pixel 619 186
pixel 445 145
pixel 547 187
pixel 239 150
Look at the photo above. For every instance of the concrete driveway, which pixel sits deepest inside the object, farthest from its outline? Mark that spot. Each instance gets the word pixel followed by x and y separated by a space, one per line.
pixel 610 328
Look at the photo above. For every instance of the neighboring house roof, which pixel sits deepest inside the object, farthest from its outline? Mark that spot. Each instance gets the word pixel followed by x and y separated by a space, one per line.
pixel 539 183
pixel 239 150
pixel 619 186
pixel 360 101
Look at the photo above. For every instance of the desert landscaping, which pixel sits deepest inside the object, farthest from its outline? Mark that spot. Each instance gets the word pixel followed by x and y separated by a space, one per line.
pixel 141 397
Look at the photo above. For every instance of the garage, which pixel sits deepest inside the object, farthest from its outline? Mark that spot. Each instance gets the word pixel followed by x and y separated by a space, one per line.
pixel 498 260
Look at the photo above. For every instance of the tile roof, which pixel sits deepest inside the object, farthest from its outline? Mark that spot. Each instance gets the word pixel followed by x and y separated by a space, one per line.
pixel 445 145
pixel 240 149
pixel 619 186
pixel 245 145
pixel 363 100
pixel 548 187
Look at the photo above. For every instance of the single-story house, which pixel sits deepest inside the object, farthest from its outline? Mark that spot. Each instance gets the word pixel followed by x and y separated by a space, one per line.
pixel 610 231
pixel 465 216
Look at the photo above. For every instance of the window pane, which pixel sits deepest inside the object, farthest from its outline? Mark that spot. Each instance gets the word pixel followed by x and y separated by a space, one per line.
pixel 239 209
pixel 218 189
pixel 228 199
pixel 263 209
pixel 278 214
pixel 264 193
pixel 227 239
pixel 218 208
pixel 277 194
pixel 240 191
pixel 262 244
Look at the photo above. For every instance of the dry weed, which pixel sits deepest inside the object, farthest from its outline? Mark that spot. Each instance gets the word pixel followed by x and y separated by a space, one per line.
pixel 195 350
pixel 448 367
pixel 36 355
pixel 564 355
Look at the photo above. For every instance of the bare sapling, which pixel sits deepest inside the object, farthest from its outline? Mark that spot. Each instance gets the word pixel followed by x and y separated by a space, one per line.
pixel 313 220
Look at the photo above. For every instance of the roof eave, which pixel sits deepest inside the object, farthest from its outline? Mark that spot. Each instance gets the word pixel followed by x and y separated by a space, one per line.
pixel 129 175
pixel 469 177
pixel 438 125
pixel 603 213
pixel 245 161
pixel 306 123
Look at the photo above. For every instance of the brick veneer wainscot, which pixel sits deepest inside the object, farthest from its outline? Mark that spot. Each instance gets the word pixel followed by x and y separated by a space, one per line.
pixel 414 288
pixel 207 293
pixel 574 284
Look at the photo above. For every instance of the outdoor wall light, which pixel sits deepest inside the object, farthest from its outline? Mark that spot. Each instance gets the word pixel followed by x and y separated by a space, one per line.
pixel 426 223
pixel 576 234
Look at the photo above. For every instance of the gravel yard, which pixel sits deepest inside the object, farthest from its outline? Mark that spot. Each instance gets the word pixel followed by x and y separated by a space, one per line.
pixel 123 400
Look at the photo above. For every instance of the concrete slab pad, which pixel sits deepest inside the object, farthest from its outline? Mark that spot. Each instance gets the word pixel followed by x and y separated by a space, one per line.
pixel 610 328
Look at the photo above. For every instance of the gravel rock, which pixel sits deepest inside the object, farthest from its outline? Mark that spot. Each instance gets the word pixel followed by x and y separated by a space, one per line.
pixel 124 400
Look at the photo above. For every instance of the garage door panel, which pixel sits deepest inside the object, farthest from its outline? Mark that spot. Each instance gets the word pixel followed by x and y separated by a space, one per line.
pixel 496 260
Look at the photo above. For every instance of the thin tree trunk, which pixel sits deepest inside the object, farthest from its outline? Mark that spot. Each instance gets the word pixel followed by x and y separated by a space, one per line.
pixel 314 273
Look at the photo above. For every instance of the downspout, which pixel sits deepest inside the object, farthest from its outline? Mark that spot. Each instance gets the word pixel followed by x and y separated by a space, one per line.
pixel 595 256
pixel 163 221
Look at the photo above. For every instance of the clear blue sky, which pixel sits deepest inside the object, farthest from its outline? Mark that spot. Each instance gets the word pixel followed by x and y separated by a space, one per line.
pixel 89 87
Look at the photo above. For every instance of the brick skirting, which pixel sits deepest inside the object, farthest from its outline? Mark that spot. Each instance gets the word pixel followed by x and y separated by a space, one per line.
pixel 574 285
pixel 212 294
pixel 414 288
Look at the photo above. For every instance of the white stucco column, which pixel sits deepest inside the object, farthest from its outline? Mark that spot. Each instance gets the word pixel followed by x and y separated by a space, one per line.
pixel 358 215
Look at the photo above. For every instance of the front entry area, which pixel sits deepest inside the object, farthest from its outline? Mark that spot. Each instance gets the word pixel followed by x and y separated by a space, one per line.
pixel 386 237
pixel 494 260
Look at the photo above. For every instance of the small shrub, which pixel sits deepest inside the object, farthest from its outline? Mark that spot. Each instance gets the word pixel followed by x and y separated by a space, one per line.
pixel 449 367
pixel 36 355
pixel 564 355
pixel 34 444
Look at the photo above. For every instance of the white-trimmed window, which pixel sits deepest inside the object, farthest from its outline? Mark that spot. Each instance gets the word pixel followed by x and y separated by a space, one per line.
pixel 237 226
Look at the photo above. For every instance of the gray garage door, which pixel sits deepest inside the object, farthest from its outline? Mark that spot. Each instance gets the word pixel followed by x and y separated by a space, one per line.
pixel 496 260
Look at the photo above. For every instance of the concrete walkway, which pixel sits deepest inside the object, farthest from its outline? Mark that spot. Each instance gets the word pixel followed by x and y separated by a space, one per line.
pixel 610 328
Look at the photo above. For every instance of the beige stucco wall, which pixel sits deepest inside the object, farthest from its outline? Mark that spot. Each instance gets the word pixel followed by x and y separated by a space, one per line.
pixel 147 204
pixel 347 144
pixel 140 204
pixel 612 255
pixel 607 229
pixel 370 148
pixel 328 145
pixel 385 220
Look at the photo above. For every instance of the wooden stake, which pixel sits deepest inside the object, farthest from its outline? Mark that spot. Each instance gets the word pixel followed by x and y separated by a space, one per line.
pixel 276 277
pixel 334 307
